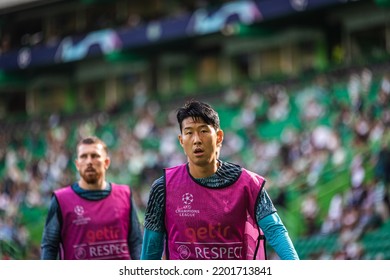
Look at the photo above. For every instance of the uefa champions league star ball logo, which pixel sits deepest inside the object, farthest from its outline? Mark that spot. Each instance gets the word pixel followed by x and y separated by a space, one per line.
pixel 186 210
pixel 187 198
pixel 80 219
pixel 79 210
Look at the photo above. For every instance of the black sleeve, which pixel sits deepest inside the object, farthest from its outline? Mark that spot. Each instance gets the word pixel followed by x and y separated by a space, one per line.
pixel 135 235
pixel 155 210
pixel 51 236
pixel 264 205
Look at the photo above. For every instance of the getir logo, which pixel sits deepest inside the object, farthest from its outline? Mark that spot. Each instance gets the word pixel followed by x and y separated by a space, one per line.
pixel 209 232
pixel 106 233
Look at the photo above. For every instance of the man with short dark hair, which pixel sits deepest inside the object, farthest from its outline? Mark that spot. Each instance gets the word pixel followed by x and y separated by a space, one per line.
pixel 208 208
pixel 92 218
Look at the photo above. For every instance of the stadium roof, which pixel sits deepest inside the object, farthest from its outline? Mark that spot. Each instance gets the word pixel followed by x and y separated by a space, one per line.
pixel 7 6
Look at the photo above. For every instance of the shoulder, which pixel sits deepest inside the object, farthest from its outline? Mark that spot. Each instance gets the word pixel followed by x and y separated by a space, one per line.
pixel 258 179
pixel 120 188
pixel 63 193
pixel 230 171
pixel 158 187
pixel 53 205
pixel 230 166
pixel 62 190
pixel 173 170
pixel 154 215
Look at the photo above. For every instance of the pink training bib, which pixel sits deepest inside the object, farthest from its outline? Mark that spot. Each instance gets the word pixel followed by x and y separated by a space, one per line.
pixel 93 230
pixel 212 223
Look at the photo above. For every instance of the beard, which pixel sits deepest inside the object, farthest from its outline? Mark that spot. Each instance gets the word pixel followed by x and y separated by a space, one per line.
pixel 90 177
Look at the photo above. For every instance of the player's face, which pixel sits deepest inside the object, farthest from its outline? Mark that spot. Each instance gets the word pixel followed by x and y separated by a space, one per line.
pixel 200 142
pixel 92 162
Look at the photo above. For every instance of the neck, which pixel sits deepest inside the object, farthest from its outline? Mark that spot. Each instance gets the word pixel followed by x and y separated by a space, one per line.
pixel 92 187
pixel 199 172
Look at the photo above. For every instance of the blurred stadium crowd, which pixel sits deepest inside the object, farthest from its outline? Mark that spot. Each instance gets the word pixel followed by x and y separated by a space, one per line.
pixel 294 132
pixel 321 138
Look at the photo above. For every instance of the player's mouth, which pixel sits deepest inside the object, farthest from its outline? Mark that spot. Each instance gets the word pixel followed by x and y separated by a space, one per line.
pixel 198 152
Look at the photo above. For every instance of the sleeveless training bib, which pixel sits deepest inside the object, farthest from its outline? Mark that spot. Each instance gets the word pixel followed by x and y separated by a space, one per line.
pixel 94 230
pixel 212 223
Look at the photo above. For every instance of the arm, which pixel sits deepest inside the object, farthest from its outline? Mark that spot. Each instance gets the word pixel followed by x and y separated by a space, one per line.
pixel 274 230
pixel 153 245
pixel 276 234
pixel 154 230
pixel 135 235
pixel 51 233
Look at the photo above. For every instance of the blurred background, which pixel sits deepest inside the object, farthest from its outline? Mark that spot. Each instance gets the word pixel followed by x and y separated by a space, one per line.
pixel 302 88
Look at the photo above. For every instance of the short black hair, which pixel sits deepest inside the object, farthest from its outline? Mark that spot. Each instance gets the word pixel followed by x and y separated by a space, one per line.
pixel 198 110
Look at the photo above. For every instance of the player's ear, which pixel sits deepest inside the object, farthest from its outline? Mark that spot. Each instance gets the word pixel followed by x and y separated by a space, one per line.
pixel 107 162
pixel 219 137
pixel 76 163
pixel 180 140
